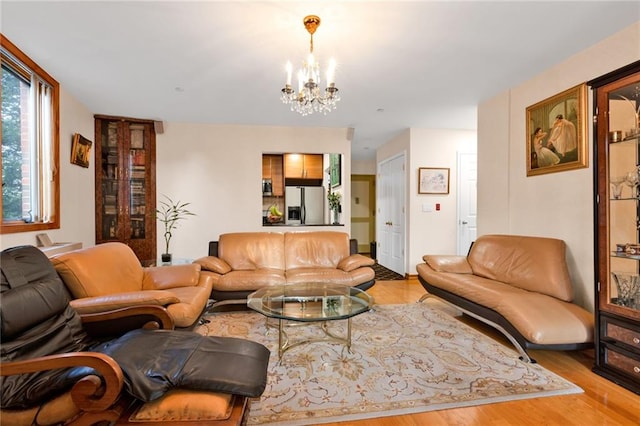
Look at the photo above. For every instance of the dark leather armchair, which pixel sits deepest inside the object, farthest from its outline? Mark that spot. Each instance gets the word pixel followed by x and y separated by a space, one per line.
pixel 60 368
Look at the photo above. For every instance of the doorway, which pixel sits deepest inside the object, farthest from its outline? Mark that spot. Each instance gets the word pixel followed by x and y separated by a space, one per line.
pixel 363 212
pixel 467 201
pixel 390 218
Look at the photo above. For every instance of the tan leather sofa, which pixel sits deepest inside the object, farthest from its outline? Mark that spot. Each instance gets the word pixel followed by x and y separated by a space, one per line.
pixel 243 262
pixel 519 285
pixel 109 276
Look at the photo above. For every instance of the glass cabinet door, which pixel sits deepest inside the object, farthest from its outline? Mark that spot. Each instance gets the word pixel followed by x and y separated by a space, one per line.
pixel 137 181
pixel 110 168
pixel 621 130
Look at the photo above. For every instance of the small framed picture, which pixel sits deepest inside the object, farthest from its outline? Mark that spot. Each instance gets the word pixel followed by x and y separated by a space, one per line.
pixel 80 150
pixel 433 180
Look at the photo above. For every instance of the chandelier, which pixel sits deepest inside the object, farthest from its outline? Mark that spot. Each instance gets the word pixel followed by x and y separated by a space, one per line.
pixel 310 98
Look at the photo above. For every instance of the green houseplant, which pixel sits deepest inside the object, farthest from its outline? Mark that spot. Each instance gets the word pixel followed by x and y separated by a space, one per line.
pixel 334 205
pixel 170 213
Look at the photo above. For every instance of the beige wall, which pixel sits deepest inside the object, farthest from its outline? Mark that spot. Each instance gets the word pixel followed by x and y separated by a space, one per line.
pixel 429 232
pixel 218 168
pixel 434 232
pixel 556 205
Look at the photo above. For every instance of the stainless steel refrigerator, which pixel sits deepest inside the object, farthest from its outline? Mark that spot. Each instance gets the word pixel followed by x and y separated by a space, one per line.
pixel 304 205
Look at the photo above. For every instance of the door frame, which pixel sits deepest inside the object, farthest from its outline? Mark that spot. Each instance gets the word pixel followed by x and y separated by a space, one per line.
pixel 365 247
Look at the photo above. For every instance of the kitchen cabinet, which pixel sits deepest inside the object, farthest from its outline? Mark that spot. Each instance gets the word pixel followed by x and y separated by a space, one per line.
pixel 617 224
pixel 272 171
pixel 125 183
pixel 303 169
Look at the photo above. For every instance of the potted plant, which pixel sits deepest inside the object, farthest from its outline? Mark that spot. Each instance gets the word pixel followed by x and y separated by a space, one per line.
pixel 334 205
pixel 169 213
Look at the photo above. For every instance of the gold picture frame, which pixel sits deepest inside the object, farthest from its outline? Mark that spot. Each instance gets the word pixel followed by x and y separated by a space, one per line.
pixel 557 132
pixel 432 180
pixel 80 150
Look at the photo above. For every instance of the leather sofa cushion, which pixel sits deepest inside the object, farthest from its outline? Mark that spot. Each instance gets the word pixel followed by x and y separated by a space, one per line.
pixel 530 263
pixel 250 280
pixel 448 263
pixel 245 251
pixel 188 360
pixel 214 264
pixel 186 405
pixel 191 300
pixel 329 276
pixel 315 249
pixel 90 272
pixel 355 261
pixel 167 277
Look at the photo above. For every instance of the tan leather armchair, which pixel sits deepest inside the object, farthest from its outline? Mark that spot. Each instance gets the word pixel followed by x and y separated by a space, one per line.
pixel 109 276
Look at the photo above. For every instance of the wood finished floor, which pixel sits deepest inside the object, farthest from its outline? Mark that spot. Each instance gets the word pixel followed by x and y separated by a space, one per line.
pixel 602 403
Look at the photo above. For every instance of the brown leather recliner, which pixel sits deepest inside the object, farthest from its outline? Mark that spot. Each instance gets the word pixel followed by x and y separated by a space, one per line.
pixel 110 276
pixel 60 368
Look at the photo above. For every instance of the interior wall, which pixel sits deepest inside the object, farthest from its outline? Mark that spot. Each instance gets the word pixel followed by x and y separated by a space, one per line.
pixel 434 232
pixel 429 232
pixel 218 169
pixel 77 219
pixel 558 205
pixel 364 167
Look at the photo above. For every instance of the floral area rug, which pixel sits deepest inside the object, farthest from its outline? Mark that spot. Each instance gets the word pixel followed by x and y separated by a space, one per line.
pixel 404 359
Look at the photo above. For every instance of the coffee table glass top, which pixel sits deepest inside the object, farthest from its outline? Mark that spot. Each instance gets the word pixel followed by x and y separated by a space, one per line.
pixel 310 302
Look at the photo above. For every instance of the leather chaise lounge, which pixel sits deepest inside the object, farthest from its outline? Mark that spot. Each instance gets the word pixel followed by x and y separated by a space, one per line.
pixel 520 285
pixel 58 367
pixel 241 263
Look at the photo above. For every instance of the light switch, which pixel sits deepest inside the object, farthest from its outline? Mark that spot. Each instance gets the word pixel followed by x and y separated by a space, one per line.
pixel 427 207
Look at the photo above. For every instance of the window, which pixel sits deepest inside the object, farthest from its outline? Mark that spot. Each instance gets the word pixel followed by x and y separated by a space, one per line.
pixel 30 144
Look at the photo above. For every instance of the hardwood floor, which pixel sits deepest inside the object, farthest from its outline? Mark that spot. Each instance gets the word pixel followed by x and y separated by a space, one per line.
pixel 602 403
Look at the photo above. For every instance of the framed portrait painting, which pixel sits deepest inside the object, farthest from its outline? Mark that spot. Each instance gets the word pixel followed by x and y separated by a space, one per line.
pixel 433 180
pixel 80 150
pixel 556 136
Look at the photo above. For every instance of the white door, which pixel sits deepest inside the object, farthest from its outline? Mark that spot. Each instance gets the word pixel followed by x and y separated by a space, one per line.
pixel 391 210
pixel 467 201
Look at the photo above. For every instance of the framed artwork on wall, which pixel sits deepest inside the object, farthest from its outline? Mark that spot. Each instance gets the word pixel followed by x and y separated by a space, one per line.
pixel 80 149
pixel 433 180
pixel 556 137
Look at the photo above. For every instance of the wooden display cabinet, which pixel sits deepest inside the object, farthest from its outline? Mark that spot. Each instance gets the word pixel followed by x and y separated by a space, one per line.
pixel 617 225
pixel 125 183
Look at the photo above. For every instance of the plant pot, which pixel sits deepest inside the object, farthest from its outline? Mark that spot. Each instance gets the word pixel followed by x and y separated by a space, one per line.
pixel 166 257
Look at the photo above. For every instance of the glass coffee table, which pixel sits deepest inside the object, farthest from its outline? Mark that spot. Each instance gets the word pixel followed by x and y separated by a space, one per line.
pixel 309 303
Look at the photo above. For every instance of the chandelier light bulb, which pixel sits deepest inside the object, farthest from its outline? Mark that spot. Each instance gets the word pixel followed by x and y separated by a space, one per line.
pixel 310 98
pixel 289 71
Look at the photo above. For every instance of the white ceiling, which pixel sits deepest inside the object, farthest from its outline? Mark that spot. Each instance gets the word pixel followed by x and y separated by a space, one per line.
pixel 401 64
